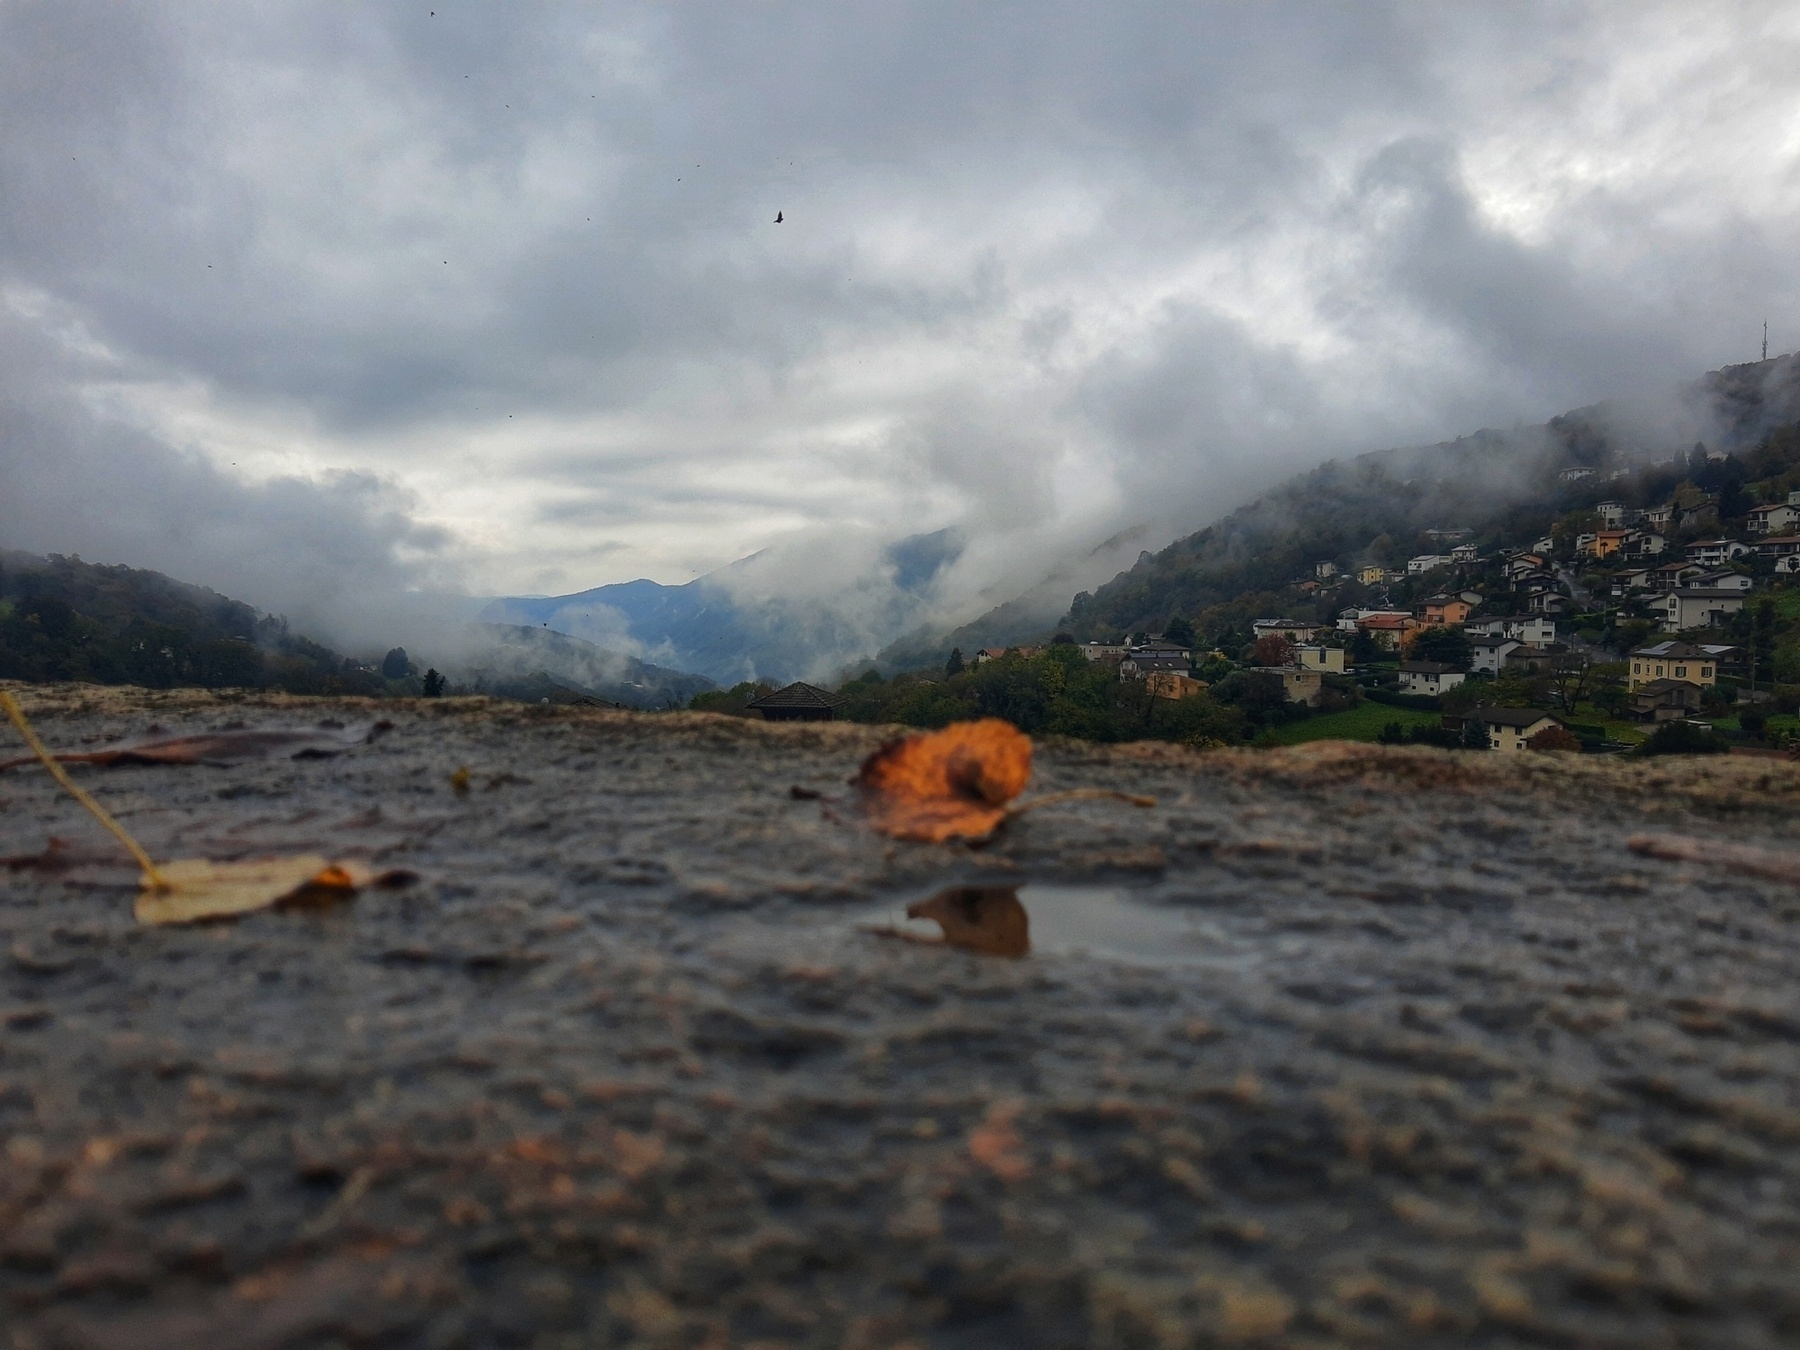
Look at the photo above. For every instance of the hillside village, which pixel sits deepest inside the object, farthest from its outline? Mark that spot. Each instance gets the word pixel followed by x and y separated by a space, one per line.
pixel 1653 606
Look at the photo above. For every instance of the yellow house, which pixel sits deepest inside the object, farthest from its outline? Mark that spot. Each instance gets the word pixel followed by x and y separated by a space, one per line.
pixel 1370 576
pixel 1173 684
pixel 1330 660
pixel 1672 661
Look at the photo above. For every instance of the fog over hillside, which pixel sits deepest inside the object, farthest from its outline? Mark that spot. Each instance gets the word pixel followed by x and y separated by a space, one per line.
pixel 356 314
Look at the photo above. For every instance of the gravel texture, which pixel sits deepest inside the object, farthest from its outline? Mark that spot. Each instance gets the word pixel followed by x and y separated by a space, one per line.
pixel 1454 1066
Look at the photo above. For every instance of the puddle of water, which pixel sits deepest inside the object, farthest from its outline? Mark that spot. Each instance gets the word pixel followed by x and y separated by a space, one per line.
pixel 1053 919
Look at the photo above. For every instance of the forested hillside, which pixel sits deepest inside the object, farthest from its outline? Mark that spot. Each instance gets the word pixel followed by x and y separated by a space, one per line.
pixel 1502 486
pixel 65 619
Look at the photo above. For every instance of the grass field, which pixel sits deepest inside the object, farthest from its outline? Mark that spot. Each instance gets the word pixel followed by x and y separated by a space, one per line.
pixel 1361 723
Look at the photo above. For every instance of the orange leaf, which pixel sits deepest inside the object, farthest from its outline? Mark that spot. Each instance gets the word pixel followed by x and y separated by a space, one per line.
pixel 949 784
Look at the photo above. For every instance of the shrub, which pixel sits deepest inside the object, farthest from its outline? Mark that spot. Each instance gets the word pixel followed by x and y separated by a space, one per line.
pixel 1683 738
pixel 1554 738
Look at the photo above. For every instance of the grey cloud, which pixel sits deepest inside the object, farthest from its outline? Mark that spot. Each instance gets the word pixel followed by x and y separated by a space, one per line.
pixel 1180 249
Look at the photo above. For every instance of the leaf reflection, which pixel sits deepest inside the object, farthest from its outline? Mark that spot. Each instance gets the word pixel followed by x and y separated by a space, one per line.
pixel 987 919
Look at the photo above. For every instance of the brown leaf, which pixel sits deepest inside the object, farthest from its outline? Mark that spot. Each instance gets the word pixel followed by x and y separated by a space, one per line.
pixel 949 784
pixel 198 889
pixel 987 919
pixel 219 747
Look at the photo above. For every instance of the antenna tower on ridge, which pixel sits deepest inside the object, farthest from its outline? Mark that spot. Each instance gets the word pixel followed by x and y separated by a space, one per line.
pixel 1765 339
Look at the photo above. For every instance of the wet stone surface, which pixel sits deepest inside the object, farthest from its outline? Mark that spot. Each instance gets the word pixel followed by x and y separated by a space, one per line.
pixel 1394 1047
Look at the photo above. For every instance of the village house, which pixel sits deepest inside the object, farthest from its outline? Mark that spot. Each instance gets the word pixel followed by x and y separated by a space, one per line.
pixel 1643 544
pixel 1437 611
pixel 1386 628
pixel 1716 552
pixel 1523 565
pixel 1442 536
pixel 1426 562
pixel 1606 544
pixel 1324 571
pixel 1781 546
pixel 1465 553
pixel 1673 661
pixel 1301 686
pixel 1665 700
pixel 1575 475
pixel 1660 518
pixel 1788 565
pixel 798 702
pixel 1429 677
pixel 1538 660
pixel 1692 608
pixel 1371 575
pixel 1671 576
pixel 1637 579
pixel 1142 661
pixel 1548 602
pixel 1612 515
pixel 1509 729
pixel 1326 660
pixel 1532 630
pixel 1171 684
pixel 1488 653
pixel 1103 651
pixel 1722 581
pixel 1295 630
pixel 1777 518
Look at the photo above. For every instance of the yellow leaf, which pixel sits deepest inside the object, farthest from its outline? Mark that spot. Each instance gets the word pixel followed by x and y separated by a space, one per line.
pixel 196 889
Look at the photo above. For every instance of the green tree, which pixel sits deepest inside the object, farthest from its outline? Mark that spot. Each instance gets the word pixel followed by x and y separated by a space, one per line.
pixel 434 684
pixel 954 666
pixel 1179 630
pixel 1447 645
pixel 395 666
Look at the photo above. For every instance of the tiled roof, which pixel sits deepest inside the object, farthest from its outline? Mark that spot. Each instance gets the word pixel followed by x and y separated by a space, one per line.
pixel 797 695
pixel 1513 717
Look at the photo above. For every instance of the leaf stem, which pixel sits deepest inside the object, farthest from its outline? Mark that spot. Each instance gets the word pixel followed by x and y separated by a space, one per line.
pixel 61 775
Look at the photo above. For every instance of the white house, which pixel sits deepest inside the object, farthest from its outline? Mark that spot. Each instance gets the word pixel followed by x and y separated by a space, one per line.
pixel 1324 571
pixel 1774 519
pixel 1488 653
pixel 1295 630
pixel 1429 677
pixel 1103 651
pixel 1534 630
pixel 1427 562
pixel 1464 553
pixel 1722 581
pixel 1687 608
pixel 1716 552
pixel 1612 514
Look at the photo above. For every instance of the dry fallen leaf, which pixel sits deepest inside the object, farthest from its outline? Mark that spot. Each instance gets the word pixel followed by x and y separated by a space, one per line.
pixel 949 784
pixel 195 889
pixel 986 919
pixel 219 747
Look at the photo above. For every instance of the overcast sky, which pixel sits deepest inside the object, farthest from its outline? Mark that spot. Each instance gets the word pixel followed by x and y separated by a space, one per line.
pixel 304 301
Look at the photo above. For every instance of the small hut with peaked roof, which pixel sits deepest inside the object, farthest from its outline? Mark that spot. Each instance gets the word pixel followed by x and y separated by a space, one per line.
pixel 799 702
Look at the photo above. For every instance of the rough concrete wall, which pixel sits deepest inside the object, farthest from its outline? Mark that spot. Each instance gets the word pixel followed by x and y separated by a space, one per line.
pixel 1452 1066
